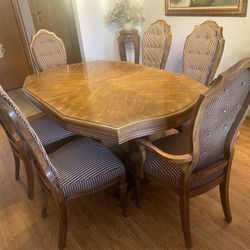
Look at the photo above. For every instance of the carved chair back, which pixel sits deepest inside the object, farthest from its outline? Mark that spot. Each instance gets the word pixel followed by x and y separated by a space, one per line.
pixel 222 110
pixel 19 127
pixel 156 43
pixel 47 50
pixel 203 51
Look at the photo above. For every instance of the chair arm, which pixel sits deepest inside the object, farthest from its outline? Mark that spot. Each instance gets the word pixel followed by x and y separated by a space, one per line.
pixel 172 158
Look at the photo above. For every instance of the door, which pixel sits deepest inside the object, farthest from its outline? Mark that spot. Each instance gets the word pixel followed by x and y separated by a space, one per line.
pixel 14 62
pixel 58 16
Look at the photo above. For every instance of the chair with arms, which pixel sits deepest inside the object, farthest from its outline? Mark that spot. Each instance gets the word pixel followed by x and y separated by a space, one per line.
pixel 48 50
pixel 79 168
pixel 156 43
pixel 193 162
pixel 203 51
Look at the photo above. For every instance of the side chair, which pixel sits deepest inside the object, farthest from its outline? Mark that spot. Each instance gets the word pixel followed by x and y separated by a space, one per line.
pixel 47 50
pixel 203 51
pixel 192 162
pixel 81 167
pixel 156 42
pixel 51 135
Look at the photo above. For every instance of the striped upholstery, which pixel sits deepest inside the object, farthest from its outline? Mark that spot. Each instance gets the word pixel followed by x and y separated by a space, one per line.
pixel 219 117
pixel 81 165
pixel 164 170
pixel 49 131
pixel 23 128
pixel 202 52
pixel 85 164
pixel 156 44
pixel 48 50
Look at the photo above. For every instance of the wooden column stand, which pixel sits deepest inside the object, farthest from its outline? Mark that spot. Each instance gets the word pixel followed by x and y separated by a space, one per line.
pixel 129 36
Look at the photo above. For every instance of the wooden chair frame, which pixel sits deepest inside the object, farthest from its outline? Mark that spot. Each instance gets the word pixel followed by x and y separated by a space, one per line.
pixel 168 35
pixel 47 179
pixel 20 155
pixel 185 192
pixel 218 53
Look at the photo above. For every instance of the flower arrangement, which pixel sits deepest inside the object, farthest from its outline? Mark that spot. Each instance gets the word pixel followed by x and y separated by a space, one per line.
pixel 124 11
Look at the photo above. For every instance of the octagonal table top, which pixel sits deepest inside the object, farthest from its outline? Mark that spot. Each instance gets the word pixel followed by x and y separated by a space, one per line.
pixel 112 100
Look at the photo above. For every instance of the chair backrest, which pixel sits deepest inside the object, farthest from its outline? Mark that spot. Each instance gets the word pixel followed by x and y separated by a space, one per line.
pixel 156 43
pixel 203 51
pixel 15 122
pixel 48 50
pixel 222 110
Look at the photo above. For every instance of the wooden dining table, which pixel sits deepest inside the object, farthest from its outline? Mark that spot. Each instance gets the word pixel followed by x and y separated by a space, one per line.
pixel 112 100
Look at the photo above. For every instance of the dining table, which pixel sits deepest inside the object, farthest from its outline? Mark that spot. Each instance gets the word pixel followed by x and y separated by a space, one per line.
pixel 112 100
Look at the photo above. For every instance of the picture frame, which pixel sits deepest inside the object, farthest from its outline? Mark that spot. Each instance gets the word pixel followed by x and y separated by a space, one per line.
pixel 206 8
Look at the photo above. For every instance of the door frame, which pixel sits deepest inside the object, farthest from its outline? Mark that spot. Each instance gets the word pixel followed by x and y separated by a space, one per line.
pixel 22 32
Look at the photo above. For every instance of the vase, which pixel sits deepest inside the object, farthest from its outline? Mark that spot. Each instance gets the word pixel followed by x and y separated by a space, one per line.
pixel 128 26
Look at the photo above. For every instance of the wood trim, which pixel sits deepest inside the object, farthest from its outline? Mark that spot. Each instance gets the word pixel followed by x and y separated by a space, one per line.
pixel 240 11
pixel 23 35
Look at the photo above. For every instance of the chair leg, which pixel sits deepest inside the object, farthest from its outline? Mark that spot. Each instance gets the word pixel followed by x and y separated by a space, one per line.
pixel 44 203
pixel 224 196
pixel 123 197
pixel 17 166
pixel 185 220
pixel 63 224
pixel 138 192
pixel 30 177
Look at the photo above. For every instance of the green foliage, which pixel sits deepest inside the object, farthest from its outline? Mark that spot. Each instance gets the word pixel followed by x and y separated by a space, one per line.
pixel 124 11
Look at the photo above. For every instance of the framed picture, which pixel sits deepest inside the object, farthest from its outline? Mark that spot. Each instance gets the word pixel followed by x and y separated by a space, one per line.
pixel 205 7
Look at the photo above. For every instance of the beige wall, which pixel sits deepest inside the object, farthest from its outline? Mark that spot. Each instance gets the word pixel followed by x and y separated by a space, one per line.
pixel 236 32
pixel 99 42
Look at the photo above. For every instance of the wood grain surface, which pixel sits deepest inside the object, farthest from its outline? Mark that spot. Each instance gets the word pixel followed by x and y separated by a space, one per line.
pixel 115 101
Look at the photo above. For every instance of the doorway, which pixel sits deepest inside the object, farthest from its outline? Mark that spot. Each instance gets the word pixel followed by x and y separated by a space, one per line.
pixel 58 16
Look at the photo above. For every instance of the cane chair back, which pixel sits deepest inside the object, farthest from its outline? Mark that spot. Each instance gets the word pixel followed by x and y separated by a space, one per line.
pixel 48 50
pixel 203 51
pixel 156 43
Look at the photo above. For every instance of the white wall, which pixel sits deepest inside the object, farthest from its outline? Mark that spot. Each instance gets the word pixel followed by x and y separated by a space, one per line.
pixel 98 41
pixel 101 43
pixel 236 31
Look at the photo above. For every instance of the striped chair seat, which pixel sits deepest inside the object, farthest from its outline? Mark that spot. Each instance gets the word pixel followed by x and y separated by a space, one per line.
pixel 49 131
pixel 164 170
pixel 85 165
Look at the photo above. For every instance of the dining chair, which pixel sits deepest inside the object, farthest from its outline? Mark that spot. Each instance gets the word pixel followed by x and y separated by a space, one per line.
pixel 193 162
pixel 203 51
pixel 156 43
pixel 52 136
pixel 81 167
pixel 47 50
